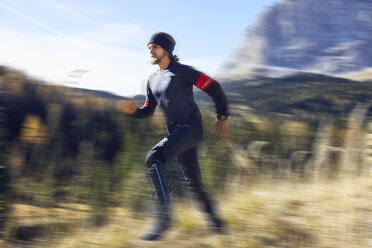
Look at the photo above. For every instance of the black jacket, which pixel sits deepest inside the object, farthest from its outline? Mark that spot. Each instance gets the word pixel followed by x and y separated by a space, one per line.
pixel 172 90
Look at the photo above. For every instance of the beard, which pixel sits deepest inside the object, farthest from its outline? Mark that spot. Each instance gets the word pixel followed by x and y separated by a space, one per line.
pixel 156 59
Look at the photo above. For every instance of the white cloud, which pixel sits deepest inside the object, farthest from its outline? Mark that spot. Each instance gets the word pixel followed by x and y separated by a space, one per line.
pixel 79 9
pixel 103 50
pixel 209 66
pixel 111 67
pixel 30 19
pixel 116 33
pixel 114 53
pixel 53 57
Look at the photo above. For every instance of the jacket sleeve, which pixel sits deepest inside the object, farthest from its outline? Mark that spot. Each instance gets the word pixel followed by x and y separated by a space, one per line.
pixel 215 91
pixel 212 88
pixel 149 106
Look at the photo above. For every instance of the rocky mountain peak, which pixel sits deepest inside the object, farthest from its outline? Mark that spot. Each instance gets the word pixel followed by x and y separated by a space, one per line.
pixel 330 37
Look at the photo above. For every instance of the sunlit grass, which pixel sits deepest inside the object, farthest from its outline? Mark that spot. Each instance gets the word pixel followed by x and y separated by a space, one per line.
pixel 334 213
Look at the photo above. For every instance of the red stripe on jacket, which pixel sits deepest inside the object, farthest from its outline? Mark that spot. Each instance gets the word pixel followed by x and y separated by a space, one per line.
pixel 203 82
pixel 146 104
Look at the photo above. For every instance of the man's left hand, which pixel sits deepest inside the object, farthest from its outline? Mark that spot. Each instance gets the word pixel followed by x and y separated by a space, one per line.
pixel 222 128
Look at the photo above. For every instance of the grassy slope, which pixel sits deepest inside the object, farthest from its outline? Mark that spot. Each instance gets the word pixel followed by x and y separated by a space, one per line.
pixel 287 214
pixel 322 214
pixel 308 96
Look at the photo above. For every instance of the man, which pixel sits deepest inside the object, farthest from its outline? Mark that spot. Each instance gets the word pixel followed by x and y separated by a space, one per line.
pixel 171 87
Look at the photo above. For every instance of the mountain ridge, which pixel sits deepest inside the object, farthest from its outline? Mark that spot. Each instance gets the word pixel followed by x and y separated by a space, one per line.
pixel 327 37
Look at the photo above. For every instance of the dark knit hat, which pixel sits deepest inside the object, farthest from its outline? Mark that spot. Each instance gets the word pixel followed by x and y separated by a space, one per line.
pixel 164 40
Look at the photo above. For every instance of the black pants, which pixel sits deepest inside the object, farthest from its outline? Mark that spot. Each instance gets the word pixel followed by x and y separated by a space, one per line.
pixel 180 144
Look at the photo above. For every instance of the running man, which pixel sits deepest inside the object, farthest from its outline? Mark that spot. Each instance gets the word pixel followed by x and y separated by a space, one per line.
pixel 171 88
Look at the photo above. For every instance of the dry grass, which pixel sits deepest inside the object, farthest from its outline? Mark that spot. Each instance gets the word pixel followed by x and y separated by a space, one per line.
pixel 285 214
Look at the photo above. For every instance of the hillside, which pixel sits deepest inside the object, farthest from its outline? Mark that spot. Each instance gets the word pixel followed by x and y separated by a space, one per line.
pixel 304 96
pixel 69 161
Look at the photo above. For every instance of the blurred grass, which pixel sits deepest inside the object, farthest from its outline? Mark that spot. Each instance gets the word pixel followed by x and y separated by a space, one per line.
pixel 72 167
pixel 285 214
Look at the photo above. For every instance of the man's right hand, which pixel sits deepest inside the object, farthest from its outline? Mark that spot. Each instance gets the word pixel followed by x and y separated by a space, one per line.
pixel 126 107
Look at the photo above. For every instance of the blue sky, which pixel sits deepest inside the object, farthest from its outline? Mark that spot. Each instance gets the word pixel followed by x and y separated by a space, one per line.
pixel 49 39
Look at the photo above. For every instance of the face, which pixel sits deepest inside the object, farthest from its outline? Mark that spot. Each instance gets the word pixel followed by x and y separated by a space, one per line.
pixel 157 53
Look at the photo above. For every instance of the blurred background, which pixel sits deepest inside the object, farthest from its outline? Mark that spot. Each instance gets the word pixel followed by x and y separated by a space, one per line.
pixel 296 171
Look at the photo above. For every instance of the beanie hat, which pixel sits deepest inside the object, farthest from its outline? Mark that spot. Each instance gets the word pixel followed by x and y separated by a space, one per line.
pixel 164 40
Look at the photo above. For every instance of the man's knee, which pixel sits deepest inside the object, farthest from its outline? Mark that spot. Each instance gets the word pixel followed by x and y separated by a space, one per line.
pixel 154 157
